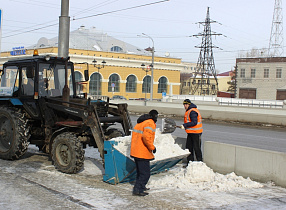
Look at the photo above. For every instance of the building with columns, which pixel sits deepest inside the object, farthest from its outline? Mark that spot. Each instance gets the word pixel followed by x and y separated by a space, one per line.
pixel 122 73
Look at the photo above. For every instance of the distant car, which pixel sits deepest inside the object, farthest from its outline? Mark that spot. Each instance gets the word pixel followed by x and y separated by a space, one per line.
pixel 142 99
pixel 117 97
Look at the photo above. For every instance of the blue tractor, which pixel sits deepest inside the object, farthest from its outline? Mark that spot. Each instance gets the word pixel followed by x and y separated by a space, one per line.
pixel 40 104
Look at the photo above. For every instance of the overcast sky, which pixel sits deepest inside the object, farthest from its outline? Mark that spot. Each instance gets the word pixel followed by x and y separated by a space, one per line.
pixel 244 24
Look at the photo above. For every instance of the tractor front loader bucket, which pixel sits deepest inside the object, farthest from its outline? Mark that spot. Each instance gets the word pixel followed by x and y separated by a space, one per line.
pixel 119 168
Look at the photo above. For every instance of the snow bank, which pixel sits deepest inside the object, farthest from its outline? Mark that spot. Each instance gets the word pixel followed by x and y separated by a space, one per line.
pixel 164 143
pixel 198 176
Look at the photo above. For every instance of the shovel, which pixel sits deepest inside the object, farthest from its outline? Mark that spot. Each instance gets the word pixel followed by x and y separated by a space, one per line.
pixel 169 125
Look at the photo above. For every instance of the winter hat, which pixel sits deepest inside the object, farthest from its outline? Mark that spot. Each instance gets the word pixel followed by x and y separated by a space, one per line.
pixel 187 101
pixel 154 115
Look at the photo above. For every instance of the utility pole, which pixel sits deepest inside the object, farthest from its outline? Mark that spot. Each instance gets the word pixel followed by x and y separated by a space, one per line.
pixel 98 75
pixel 276 37
pixel 63 42
pixel 205 65
pixel 64 30
pixel 152 65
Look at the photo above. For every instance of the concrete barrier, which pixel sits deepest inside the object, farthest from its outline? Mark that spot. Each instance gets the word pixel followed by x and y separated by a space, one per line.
pixel 260 165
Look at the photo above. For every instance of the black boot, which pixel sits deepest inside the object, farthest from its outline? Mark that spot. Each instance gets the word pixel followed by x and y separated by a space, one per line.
pixel 146 189
pixel 140 193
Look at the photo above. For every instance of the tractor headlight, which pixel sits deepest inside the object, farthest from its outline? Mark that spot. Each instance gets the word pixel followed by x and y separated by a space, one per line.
pixel 47 57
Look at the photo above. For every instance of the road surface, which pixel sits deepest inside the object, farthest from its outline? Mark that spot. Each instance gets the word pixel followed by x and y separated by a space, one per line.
pixel 269 138
pixel 33 183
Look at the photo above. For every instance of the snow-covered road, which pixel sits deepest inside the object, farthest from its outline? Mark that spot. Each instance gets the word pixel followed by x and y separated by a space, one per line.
pixel 33 183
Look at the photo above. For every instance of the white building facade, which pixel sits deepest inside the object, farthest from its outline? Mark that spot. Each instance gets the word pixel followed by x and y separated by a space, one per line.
pixel 261 78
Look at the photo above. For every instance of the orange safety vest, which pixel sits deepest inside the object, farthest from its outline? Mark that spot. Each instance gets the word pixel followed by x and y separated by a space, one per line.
pixel 142 141
pixel 198 128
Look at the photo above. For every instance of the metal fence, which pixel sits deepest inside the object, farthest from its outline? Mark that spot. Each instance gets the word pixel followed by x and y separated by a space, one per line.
pixel 250 102
pixel 233 101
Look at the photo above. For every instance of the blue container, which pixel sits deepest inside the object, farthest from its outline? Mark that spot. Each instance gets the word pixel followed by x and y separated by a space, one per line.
pixel 120 168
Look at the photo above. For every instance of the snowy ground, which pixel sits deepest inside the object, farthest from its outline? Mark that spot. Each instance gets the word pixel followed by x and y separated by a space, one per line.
pixel 33 183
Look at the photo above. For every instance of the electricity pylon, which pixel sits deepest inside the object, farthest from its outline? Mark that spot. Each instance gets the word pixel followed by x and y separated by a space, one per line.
pixel 276 38
pixel 201 84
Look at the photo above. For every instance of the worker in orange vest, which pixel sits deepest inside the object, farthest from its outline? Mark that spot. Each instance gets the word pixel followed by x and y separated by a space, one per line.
pixel 143 150
pixel 194 129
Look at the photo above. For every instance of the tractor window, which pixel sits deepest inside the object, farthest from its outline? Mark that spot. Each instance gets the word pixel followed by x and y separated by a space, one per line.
pixel 9 81
pixel 52 80
pixel 78 81
pixel 46 81
pixel 27 83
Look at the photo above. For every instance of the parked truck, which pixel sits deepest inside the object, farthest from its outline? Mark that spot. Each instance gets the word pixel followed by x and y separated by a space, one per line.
pixel 41 103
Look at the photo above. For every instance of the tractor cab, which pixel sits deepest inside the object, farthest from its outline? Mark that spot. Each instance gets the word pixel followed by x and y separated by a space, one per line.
pixel 37 76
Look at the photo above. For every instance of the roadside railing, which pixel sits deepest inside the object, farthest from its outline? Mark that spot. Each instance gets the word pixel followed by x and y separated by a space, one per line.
pixel 250 102
pixel 234 101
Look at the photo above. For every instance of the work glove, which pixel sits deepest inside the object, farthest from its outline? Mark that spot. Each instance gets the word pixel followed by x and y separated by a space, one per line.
pixel 154 150
pixel 182 127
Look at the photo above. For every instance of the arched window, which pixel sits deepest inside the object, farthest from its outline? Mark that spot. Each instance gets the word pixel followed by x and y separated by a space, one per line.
pixel 116 49
pixel 146 87
pixel 113 83
pixel 95 84
pixel 162 86
pixel 131 84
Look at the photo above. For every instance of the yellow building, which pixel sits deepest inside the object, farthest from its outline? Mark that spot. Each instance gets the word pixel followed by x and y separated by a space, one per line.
pixel 209 84
pixel 122 72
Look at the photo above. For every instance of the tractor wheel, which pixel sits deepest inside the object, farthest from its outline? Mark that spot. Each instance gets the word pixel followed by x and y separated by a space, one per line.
pixel 67 153
pixel 14 133
pixel 113 133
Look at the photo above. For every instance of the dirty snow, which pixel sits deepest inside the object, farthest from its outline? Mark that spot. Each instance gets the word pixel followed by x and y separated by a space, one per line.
pixel 194 187
pixel 164 143
pixel 197 175
pixel 199 187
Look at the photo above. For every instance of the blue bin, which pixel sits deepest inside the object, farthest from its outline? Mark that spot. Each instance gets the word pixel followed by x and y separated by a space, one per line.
pixel 120 168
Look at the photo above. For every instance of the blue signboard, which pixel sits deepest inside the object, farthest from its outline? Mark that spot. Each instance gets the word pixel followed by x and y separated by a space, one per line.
pixel 18 51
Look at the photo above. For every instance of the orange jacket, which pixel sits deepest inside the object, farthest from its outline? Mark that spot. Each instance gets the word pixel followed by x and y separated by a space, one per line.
pixel 142 141
pixel 198 128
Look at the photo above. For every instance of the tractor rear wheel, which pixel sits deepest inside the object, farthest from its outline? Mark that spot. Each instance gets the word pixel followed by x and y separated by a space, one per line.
pixel 14 133
pixel 67 153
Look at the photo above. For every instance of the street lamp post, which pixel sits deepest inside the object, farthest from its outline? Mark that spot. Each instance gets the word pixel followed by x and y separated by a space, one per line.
pixel 98 68
pixel 146 87
pixel 152 64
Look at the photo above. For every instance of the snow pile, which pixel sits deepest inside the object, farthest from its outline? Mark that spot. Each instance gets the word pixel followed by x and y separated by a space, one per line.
pixel 198 176
pixel 164 143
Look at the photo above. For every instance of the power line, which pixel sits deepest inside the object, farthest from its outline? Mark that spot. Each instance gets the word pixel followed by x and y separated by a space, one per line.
pixel 119 10
pixel 36 29
pixel 96 6
pixel 114 11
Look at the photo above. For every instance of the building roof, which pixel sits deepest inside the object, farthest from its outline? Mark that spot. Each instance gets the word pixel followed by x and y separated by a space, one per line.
pixel 225 74
pixel 92 39
pixel 261 60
